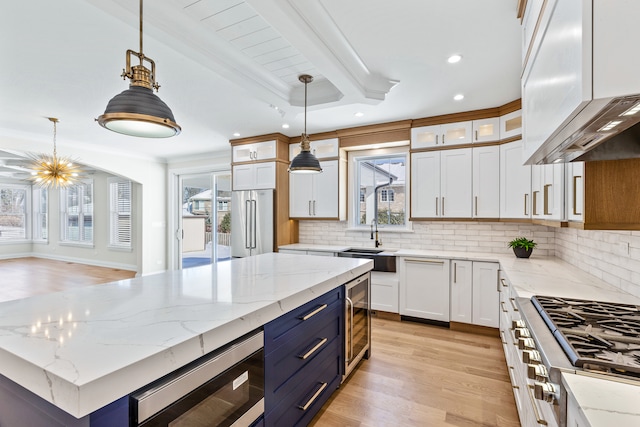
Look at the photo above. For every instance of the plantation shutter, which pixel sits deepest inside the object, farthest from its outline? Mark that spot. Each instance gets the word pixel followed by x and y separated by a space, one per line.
pixel 120 216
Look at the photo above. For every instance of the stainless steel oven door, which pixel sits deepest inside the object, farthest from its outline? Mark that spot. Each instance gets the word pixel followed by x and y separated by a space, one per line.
pixel 357 321
pixel 224 389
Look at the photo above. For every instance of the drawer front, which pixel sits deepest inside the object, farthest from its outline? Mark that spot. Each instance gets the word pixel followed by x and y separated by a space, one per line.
pixel 277 331
pixel 301 347
pixel 299 399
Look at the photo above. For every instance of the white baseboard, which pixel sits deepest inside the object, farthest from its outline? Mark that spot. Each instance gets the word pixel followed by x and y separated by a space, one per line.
pixel 97 263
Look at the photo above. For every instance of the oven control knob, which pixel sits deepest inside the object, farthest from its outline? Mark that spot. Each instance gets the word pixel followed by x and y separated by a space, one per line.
pixel 548 392
pixel 518 324
pixel 532 357
pixel 526 344
pixel 522 333
pixel 537 372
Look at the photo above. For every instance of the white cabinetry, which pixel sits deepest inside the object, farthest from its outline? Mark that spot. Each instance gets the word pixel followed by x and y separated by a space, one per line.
pixel 575 191
pixel 486 182
pixel 304 252
pixel 547 189
pixel 511 124
pixel 384 291
pixel 254 176
pixel 474 293
pixel 515 182
pixel 486 130
pixel 315 195
pixel 441 184
pixel 424 288
pixel 441 135
pixel 322 149
pixel 252 152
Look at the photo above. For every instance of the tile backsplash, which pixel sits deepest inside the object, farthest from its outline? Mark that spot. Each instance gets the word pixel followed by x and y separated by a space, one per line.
pixel 433 235
pixel 613 256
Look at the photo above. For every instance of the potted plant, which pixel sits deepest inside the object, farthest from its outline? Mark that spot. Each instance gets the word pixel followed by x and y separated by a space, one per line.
pixel 522 247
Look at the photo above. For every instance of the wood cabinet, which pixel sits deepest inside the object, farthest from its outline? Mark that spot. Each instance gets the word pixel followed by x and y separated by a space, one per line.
pixel 303 359
pixel 441 184
pixel 515 182
pixel 474 293
pixel 486 182
pixel 448 134
pixel 424 288
pixel 486 130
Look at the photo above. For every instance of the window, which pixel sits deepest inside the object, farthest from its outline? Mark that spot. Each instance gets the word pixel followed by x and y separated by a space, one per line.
pixel 13 208
pixel 76 205
pixel 379 180
pixel 40 214
pixel 120 213
pixel 386 195
pixel 223 205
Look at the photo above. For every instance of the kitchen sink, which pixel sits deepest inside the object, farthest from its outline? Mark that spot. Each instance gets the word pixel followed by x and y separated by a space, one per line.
pixel 363 251
pixel 382 260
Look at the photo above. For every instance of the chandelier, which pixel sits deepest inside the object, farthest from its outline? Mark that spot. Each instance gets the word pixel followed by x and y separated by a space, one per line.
pixel 53 171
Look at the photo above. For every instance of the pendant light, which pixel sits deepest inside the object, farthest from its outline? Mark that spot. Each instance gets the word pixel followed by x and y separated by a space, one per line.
pixel 53 171
pixel 138 111
pixel 305 162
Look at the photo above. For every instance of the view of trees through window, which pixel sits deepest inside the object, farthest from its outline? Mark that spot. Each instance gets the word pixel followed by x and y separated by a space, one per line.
pixel 381 183
pixel 12 212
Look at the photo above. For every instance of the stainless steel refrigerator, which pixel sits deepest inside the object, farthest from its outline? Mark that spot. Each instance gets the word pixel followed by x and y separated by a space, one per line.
pixel 252 222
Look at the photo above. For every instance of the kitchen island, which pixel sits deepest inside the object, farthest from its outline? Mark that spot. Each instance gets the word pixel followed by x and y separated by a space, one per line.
pixel 85 348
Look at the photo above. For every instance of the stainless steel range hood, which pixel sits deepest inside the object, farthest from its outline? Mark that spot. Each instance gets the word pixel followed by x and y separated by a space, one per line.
pixel 609 133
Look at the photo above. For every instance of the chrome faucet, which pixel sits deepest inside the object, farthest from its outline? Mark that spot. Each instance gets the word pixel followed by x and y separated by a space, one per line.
pixel 378 242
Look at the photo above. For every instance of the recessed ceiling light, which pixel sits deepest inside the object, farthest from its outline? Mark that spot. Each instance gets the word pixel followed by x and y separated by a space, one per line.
pixel 359 114
pixel 454 58
pixel 285 126
pixel 236 134
pixel 459 97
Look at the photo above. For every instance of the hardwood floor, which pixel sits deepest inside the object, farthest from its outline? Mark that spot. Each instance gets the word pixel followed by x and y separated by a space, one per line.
pixel 422 375
pixel 418 375
pixel 25 277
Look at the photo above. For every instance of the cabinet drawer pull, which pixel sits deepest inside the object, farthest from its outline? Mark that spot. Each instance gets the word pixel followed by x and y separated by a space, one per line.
pixel 504 309
pixel 539 418
pixel 504 340
pixel 513 304
pixel 476 205
pixel 314 349
pixel 455 272
pixel 314 397
pixel 314 312
pixel 575 196
pixel 504 283
pixel 526 196
pixel 443 206
pixel 422 261
pixel 547 192
pixel 511 376
pixel 436 206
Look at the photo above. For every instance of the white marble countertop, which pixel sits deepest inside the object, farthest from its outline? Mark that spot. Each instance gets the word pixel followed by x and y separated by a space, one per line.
pixel 83 348
pixel 605 403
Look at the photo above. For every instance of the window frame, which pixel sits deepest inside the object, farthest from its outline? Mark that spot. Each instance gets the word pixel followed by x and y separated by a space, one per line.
pixel 64 214
pixel 27 215
pixel 354 157
pixel 115 213
pixel 40 209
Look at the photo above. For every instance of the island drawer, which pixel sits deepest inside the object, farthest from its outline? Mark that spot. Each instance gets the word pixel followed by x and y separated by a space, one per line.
pixel 296 321
pixel 300 398
pixel 301 347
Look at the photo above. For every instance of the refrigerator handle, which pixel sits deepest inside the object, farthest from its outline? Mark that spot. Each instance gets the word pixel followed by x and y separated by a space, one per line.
pixel 254 225
pixel 247 218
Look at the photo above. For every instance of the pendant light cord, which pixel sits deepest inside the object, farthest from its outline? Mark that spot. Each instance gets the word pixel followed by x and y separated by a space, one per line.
pixel 141 54
pixel 305 107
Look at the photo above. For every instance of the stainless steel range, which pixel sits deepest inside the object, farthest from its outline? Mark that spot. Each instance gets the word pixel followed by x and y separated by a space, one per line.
pixel 571 335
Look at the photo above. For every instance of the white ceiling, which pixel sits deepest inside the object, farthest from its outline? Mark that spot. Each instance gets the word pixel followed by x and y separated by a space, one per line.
pixel 224 64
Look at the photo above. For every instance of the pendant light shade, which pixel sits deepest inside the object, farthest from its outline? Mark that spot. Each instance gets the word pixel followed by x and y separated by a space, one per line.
pixel 305 162
pixel 138 111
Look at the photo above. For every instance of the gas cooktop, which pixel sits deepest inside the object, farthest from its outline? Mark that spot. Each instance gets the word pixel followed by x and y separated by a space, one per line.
pixel 595 335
